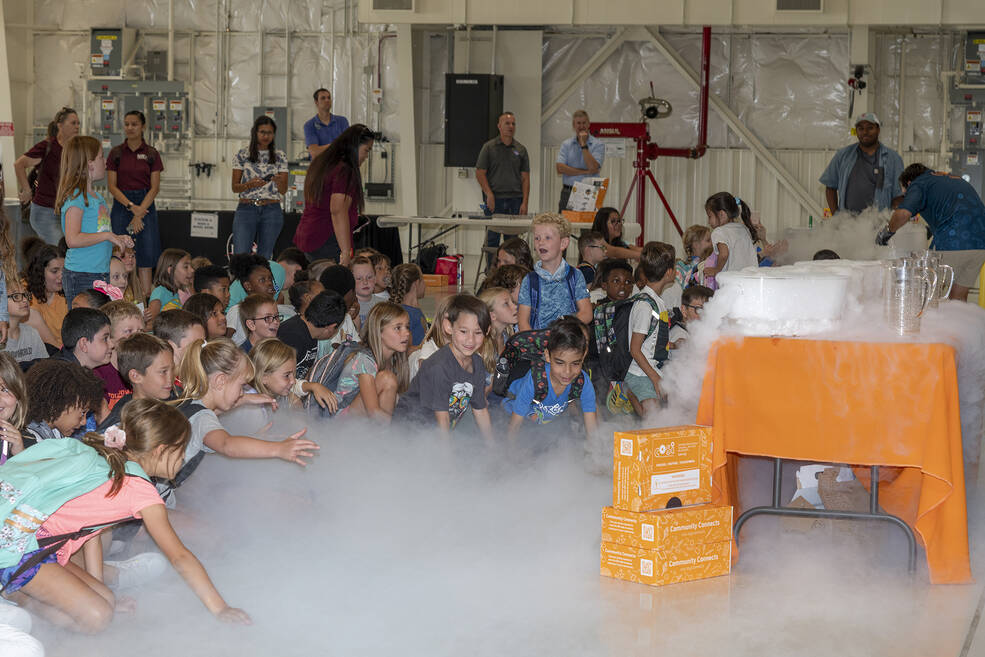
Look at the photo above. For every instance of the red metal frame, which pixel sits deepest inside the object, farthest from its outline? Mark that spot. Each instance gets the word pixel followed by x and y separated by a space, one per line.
pixel 647 150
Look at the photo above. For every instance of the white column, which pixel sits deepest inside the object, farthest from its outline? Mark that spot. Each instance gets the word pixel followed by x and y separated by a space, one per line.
pixel 7 112
pixel 408 128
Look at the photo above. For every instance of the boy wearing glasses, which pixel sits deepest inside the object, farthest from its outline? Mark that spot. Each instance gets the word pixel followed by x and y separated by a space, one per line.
pixel 591 251
pixel 260 318
pixel 693 300
pixel 23 341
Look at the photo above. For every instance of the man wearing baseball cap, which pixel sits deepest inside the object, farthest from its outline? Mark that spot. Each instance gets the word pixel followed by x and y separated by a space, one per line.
pixel 863 174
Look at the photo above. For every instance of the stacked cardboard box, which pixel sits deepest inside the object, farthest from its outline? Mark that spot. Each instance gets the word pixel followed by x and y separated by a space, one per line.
pixel 661 528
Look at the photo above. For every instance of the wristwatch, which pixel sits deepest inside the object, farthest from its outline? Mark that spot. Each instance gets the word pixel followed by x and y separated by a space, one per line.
pixel 584 147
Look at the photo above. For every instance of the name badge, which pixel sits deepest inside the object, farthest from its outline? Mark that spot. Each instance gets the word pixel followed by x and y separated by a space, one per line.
pixel 141 156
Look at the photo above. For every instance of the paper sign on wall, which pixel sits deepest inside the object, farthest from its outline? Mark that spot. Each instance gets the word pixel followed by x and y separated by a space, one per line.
pixel 615 147
pixel 205 224
pixel 973 159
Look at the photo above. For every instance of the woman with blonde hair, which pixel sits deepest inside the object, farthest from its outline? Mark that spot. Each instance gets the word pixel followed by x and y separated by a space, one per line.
pixel 85 217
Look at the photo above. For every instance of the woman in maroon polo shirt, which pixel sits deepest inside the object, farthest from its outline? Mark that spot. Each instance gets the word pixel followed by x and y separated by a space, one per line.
pixel 46 155
pixel 133 176
pixel 333 197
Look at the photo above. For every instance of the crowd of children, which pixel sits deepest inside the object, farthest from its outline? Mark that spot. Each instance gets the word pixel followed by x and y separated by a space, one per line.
pixel 130 386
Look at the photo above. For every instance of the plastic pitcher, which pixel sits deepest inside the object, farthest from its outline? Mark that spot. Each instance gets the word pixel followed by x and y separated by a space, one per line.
pixel 909 289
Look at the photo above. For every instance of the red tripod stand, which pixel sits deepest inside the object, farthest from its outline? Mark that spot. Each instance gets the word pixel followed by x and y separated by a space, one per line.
pixel 647 150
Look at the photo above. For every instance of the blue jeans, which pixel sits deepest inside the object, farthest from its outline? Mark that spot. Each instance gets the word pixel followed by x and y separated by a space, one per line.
pixel 147 243
pixel 259 223
pixel 46 224
pixel 74 282
pixel 508 205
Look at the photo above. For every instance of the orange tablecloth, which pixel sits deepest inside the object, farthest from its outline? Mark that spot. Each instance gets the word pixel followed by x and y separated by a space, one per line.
pixel 863 403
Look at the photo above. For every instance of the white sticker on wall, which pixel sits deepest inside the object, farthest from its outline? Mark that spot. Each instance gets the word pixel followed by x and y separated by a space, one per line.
pixel 205 224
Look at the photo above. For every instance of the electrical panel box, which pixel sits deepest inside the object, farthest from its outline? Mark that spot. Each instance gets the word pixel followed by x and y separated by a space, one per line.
pixel 107 114
pixel 279 115
pixel 974 64
pixel 156 66
pixel 176 116
pixel 106 51
pixel 133 104
pixel 158 119
pixel 296 172
pixel 473 104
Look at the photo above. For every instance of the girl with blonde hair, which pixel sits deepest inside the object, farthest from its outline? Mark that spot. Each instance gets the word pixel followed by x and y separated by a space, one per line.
pixel 502 324
pixel 85 217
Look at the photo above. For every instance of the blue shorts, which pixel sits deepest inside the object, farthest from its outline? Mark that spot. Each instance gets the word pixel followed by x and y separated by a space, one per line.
pixel 641 386
pixel 10 585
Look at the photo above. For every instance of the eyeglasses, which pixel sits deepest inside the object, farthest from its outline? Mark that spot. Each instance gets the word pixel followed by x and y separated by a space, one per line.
pixel 17 297
pixel 269 319
pixel 693 307
pixel 598 246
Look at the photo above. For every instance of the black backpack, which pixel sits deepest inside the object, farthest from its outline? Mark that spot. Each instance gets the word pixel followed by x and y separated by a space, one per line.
pixel 427 256
pixel 524 352
pixel 610 336
pixel 327 370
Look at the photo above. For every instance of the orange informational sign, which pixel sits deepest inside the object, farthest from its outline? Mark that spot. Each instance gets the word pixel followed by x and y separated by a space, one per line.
pixel 651 467
pixel 683 563
pixel 659 530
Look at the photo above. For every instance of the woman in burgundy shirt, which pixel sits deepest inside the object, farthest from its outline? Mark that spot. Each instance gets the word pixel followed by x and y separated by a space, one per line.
pixel 133 176
pixel 46 155
pixel 333 197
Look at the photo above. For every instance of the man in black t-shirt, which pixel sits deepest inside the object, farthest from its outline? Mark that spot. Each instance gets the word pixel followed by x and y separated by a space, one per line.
pixel 320 321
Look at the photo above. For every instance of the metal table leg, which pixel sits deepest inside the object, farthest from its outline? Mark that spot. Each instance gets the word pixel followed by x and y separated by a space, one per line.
pixel 777 509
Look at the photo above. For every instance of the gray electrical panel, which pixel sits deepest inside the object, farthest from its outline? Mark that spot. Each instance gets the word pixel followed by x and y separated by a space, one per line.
pixel 156 66
pixel 279 115
pixel 164 104
pixel 968 96
pixel 106 52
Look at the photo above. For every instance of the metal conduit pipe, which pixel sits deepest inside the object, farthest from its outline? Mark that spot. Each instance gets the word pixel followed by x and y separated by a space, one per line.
pixel 170 40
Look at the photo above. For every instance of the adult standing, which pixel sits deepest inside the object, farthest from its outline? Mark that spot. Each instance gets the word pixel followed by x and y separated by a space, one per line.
pixel 864 174
pixel 333 197
pixel 956 216
pixel 46 155
pixel 260 179
pixel 324 127
pixel 133 178
pixel 609 223
pixel 503 173
pixel 580 157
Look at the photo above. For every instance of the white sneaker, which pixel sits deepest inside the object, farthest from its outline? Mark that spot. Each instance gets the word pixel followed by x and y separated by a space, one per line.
pixel 14 616
pixel 138 570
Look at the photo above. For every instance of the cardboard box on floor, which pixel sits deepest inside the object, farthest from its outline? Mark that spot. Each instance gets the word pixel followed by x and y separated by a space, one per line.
pixel 659 567
pixel 653 466
pixel 662 530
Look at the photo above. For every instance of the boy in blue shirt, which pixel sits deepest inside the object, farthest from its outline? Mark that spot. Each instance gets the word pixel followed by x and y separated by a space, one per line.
pixel 546 391
pixel 554 288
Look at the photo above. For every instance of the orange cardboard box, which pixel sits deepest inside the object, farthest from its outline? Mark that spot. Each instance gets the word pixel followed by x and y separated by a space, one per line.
pixel 659 530
pixel 659 567
pixel 578 217
pixel 652 466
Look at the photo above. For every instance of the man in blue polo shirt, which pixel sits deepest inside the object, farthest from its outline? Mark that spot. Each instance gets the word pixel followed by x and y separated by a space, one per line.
pixel 322 129
pixel 955 215
pixel 580 157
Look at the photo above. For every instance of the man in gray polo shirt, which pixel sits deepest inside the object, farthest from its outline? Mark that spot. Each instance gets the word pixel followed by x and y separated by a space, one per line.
pixel 863 174
pixel 503 173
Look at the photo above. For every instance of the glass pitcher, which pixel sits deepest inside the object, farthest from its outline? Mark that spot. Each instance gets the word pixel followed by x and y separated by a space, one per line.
pixel 909 288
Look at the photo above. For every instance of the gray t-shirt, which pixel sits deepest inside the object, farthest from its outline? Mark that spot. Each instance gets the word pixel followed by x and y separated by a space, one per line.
pixel 503 165
pixel 866 177
pixel 27 347
pixel 442 384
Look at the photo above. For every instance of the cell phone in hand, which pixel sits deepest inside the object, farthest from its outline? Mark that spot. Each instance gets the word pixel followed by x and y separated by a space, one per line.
pixel 268 177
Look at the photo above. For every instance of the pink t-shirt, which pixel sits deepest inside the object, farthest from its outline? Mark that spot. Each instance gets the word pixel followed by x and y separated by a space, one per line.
pixel 94 508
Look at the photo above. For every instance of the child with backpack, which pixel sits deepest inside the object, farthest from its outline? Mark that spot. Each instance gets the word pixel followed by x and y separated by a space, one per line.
pixel 213 374
pixel 545 392
pixel 732 233
pixel 59 394
pixel 554 288
pixel 502 323
pixel 65 494
pixel 649 327
pixel 407 289
pixel 453 380
pixel 615 280
pixel 368 376
pixel 13 407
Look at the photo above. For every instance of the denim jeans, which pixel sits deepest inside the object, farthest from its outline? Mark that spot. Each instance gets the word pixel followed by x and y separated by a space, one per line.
pixel 330 250
pixel 147 243
pixel 46 224
pixel 509 205
pixel 257 223
pixel 74 282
